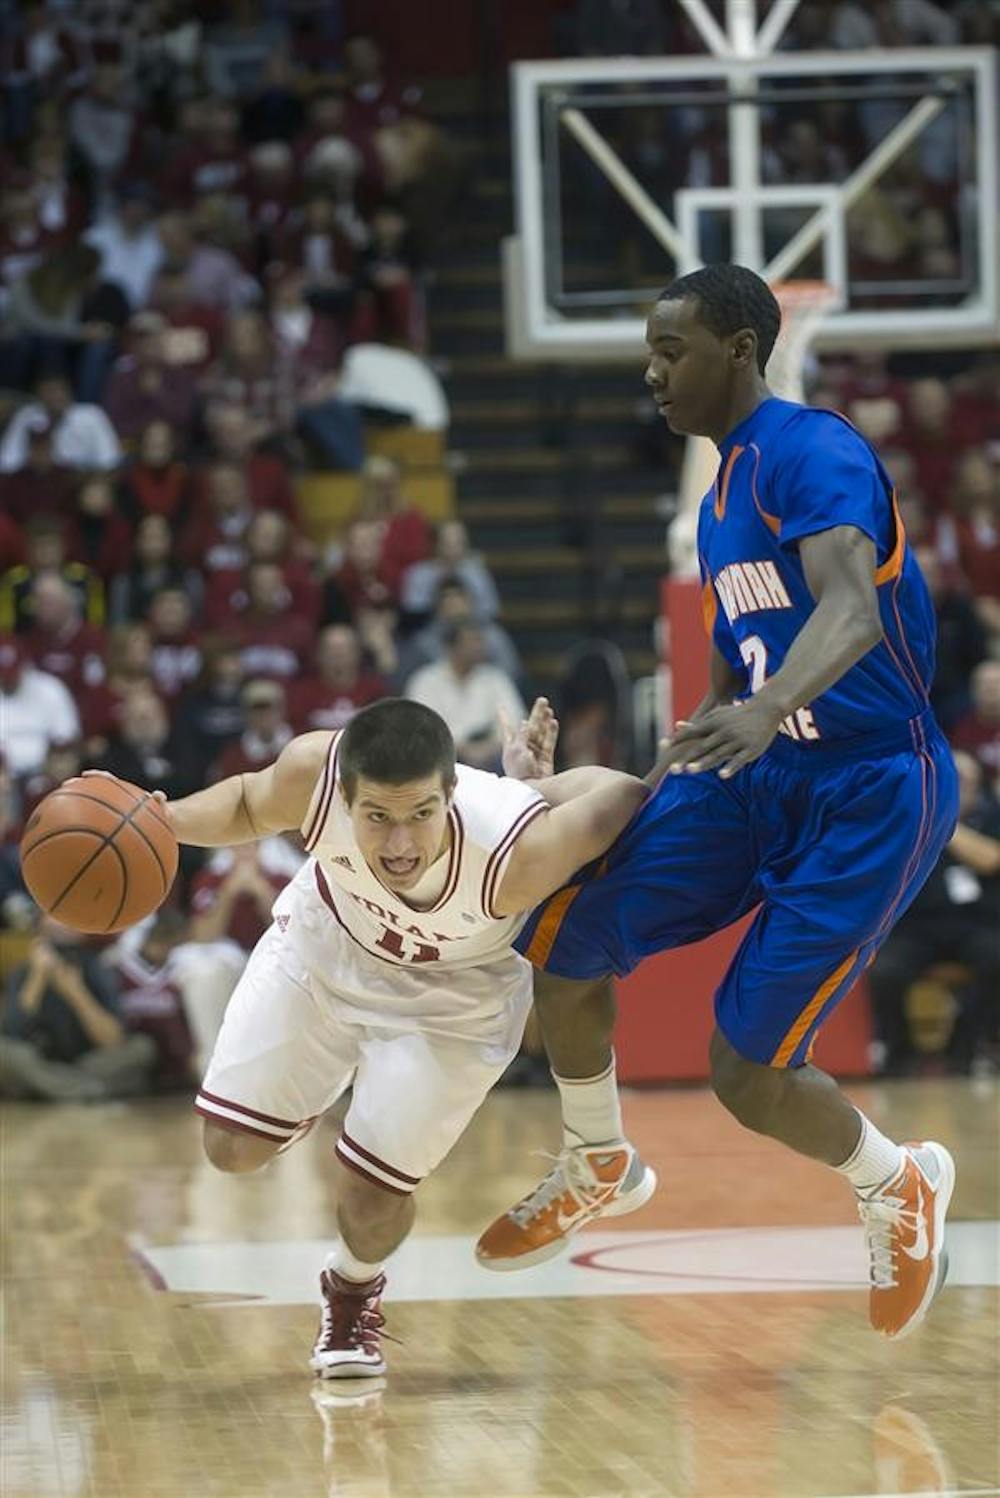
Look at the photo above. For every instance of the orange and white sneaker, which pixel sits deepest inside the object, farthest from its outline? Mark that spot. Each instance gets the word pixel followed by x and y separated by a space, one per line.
pixel 904 1235
pixel 587 1181
pixel 907 1457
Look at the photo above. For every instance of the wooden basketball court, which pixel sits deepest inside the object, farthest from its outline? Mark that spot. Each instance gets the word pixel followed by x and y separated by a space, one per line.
pixel 160 1318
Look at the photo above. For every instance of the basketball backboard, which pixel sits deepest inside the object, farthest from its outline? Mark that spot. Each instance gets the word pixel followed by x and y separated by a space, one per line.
pixel 630 171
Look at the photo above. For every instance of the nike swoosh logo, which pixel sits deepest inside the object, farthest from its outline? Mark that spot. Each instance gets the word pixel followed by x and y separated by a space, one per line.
pixel 576 1219
pixel 565 1224
pixel 921 1245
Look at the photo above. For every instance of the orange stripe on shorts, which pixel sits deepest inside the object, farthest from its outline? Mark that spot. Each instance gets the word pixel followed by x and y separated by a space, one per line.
pixel 790 1044
pixel 548 928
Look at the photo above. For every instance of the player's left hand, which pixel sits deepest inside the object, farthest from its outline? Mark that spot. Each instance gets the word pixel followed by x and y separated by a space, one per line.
pixel 725 739
pixel 529 749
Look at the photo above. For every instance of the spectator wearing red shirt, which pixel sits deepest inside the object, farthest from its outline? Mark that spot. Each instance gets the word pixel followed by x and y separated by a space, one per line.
pixel 215 538
pixel 391 302
pixel 323 243
pixel 248 374
pixel 979 731
pixel 938 426
pixel 62 210
pixel 151 1000
pixel 970 532
pixel 232 898
pixel 59 641
pixel 865 381
pixel 269 539
pixel 129 665
pixel 273 639
pixel 195 329
pixel 234 436
pixel 24 241
pixel 12 552
pixel 284 393
pixel 157 483
pixel 342 685
pixel 102 538
pixel 338 155
pixel 41 487
pixel 215 164
pixel 363 580
pixel 176 655
pixel 43 59
pixel 374 103
pixel 306 342
pixel 266 733
pixel 143 387
pixel 407 535
pixel 417 159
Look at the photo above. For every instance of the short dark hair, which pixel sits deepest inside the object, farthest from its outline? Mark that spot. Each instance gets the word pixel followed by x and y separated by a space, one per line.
pixel 394 741
pixel 731 297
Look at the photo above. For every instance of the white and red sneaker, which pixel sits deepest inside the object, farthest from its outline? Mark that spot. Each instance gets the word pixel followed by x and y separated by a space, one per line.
pixel 904 1235
pixel 348 1343
pixel 587 1181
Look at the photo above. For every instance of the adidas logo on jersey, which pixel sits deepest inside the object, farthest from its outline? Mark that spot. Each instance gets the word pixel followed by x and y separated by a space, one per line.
pixel 345 863
pixel 281 921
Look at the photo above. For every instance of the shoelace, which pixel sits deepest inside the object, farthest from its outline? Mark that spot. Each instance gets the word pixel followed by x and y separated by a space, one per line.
pixel 883 1217
pixel 570 1171
pixel 352 1321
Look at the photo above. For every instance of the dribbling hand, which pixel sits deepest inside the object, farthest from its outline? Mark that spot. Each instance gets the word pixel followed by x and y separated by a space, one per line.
pixel 158 796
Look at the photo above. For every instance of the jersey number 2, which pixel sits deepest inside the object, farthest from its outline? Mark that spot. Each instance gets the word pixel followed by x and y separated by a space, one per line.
pixel 798 725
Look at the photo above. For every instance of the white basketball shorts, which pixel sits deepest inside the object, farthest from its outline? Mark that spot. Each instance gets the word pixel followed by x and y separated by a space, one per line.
pixel 293 1040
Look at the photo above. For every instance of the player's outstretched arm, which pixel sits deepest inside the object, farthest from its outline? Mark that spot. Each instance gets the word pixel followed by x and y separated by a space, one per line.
pixel 258 804
pixel 566 837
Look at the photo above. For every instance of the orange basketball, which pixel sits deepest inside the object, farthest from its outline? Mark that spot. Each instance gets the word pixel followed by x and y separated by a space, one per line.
pixel 98 853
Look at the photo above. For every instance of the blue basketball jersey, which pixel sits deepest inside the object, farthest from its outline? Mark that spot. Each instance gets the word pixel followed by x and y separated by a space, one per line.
pixel 786 472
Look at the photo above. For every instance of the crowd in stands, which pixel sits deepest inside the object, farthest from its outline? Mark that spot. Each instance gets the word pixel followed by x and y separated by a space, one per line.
pixel 207 214
pixel 204 212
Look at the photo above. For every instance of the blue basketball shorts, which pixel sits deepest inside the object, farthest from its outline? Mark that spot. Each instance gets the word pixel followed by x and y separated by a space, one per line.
pixel 831 842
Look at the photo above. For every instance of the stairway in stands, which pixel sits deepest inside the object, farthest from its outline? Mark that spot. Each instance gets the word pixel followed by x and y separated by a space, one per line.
pixel 546 471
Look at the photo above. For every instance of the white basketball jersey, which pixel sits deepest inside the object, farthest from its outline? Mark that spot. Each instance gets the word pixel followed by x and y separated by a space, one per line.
pixel 452 921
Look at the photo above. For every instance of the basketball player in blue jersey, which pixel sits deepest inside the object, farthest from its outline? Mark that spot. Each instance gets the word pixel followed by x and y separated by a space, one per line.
pixel 812 782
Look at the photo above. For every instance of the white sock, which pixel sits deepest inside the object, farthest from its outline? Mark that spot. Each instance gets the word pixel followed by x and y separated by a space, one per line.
pixel 873 1161
pixel 342 1261
pixel 591 1109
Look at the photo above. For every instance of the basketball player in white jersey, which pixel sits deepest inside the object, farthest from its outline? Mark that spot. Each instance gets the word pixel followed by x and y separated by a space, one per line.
pixel 388 965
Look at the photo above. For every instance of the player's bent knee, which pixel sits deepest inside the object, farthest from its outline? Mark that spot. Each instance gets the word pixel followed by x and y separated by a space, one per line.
pixel 556 996
pixel 745 1088
pixel 234 1153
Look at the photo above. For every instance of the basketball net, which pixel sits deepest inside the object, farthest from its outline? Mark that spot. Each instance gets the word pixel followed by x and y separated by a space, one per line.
pixel 803 304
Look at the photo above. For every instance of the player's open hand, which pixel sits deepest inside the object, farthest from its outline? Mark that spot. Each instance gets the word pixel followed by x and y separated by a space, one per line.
pixel 529 749
pixel 725 739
